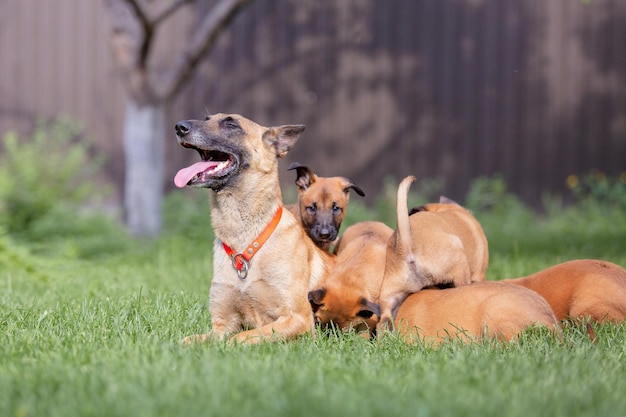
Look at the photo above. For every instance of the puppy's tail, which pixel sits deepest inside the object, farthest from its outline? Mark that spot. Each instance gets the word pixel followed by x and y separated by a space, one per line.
pixel 403 238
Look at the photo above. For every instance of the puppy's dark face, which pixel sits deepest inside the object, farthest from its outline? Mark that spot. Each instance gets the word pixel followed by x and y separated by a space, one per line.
pixel 345 309
pixel 226 143
pixel 322 203
pixel 322 212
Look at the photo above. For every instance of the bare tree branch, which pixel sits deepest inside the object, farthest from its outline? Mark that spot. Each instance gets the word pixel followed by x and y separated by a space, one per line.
pixel 139 12
pixel 148 31
pixel 132 42
pixel 124 38
pixel 200 43
pixel 169 10
pixel 149 25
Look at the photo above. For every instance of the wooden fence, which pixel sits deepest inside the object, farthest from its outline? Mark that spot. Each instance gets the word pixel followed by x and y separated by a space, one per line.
pixel 451 89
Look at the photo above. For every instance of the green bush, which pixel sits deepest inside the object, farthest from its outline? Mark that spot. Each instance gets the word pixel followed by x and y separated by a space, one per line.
pixel 188 213
pixel 502 214
pixel 47 182
pixel 53 166
pixel 596 188
pixel 77 233
pixel 490 195
pixel 561 230
pixel 14 256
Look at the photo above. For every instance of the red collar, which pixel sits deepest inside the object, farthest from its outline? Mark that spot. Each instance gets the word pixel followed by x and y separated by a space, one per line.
pixel 241 261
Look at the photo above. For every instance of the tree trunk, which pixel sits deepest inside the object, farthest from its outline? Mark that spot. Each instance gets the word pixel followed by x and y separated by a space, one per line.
pixel 144 135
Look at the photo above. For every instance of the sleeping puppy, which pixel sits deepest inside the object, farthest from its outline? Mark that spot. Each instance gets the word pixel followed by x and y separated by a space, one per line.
pixel 581 289
pixel 471 313
pixel 347 297
pixel 322 203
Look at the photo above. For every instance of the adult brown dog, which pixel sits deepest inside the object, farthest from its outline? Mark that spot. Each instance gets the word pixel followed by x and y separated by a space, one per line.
pixel 581 289
pixel 263 297
pixel 442 244
pixel 347 297
pixel 322 203
pixel 472 312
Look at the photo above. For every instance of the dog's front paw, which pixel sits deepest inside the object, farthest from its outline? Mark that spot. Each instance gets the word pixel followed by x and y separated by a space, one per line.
pixel 196 338
pixel 250 337
pixel 385 325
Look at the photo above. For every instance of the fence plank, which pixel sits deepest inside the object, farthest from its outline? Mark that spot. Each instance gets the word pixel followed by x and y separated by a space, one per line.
pixel 455 89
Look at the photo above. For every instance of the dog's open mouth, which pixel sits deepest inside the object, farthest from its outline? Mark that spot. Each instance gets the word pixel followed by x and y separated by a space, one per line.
pixel 215 164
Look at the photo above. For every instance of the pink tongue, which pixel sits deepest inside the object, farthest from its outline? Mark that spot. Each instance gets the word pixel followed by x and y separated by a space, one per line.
pixel 186 174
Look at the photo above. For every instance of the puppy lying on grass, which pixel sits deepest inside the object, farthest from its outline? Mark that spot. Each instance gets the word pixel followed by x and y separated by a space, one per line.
pixel 348 296
pixel 491 310
pixel 582 289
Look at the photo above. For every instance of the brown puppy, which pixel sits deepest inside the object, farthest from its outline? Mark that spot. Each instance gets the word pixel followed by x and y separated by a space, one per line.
pixel 321 204
pixel 251 298
pixel 581 289
pixel 347 296
pixel 442 244
pixel 472 312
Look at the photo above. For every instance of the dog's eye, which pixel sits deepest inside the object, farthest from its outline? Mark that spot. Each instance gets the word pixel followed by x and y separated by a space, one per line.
pixel 366 314
pixel 312 209
pixel 229 123
pixel 337 209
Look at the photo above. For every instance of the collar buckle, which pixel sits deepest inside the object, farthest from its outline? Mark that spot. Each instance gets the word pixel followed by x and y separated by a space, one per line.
pixel 240 264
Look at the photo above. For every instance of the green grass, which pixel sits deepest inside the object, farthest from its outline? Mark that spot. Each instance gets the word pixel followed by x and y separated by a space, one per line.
pixel 98 336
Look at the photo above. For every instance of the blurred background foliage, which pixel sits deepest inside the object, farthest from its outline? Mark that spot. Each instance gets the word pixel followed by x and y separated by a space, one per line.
pixel 51 200
pixel 52 204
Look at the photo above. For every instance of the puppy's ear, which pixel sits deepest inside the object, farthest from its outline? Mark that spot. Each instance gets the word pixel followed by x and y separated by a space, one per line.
pixel 349 185
pixel 316 298
pixel 368 309
pixel 445 200
pixel 282 138
pixel 417 210
pixel 305 175
pixel 356 189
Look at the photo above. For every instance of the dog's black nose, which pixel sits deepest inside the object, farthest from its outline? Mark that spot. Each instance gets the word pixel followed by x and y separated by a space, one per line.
pixel 182 128
pixel 324 233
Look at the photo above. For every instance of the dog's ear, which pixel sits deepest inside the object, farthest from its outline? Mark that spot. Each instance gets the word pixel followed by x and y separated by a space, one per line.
pixel 282 138
pixel 349 185
pixel 316 297
pixel 368 309
pixel 295 165
pixel 305 175
pixel 356 188
pixel 417 210
pixel 445 200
